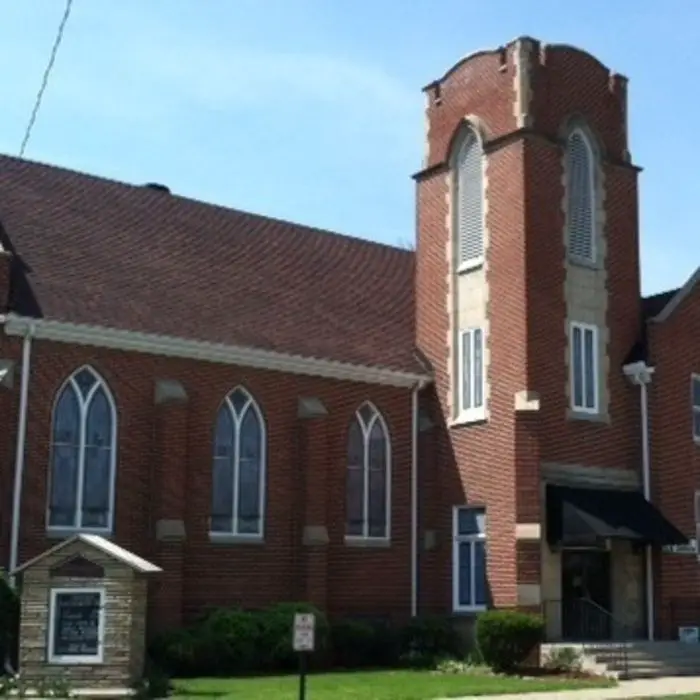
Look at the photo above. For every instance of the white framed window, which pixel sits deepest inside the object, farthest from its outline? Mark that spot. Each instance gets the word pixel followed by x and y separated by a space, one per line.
pixel 583 343
pixel 76 626
pixel 368 483
pixel 83 455
pixel 471 375
pixel 469 202
pixel 239 468
pixel 581 197
pixel 695 401
pixel 469 590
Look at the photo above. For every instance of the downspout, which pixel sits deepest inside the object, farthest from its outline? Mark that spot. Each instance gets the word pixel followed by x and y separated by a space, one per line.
pixel 19 454
pixel 414 497
pixel 640 374
pixel 644 378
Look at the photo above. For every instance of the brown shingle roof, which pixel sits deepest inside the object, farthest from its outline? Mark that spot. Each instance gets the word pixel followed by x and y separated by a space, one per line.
pixel 98 252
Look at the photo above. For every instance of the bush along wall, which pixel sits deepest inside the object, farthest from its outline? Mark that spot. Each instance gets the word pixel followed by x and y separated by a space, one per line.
pixel 231 641
pixel 506 638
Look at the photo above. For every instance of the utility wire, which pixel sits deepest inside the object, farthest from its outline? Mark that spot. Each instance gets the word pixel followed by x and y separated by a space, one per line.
pixel 45 79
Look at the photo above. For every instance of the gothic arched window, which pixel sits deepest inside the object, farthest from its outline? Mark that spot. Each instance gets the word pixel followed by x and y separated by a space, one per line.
pixel 368 475
pixel 83 455
pixel 238 479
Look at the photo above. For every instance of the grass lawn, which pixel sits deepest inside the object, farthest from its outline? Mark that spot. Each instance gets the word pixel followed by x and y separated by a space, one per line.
pixel 375 685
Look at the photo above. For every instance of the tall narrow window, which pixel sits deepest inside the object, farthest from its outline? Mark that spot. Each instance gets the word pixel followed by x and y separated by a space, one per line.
pixel 83 455
pixel 471 374
pixel 469 559
pixel 368 476
pixel 469 202
pixel 238 480
pixel 696 406
pixel 583 340
pixel 581 207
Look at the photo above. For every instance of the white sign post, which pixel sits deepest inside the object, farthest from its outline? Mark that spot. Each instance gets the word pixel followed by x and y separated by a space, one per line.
pixel 304 642
pixel 304 631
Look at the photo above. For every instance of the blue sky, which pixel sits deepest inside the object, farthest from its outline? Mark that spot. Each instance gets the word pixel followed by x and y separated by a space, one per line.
pixel 311 110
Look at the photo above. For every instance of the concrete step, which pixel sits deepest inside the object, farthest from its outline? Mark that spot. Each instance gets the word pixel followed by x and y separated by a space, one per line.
pixel 653 672
pixel 639 659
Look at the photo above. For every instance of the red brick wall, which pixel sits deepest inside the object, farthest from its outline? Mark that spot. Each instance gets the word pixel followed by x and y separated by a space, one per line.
pixel 219 574
pixel 525 271
pixel 675 457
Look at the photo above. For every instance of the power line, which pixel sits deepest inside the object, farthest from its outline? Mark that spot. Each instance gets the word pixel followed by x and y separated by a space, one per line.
pixel 45 79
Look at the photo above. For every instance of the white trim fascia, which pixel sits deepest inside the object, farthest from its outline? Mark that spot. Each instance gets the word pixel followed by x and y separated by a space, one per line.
pixel 169 346
pixel 677 298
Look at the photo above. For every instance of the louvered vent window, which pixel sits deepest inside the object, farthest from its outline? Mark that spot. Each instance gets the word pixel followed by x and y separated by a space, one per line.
pixel 470 205
pixel 581 198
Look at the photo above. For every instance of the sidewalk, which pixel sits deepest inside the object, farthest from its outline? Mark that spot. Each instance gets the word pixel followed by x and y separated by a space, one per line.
pixel 651 688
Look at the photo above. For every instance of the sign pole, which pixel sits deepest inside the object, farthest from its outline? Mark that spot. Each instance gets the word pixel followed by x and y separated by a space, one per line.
pixel 302 675
pixel 303 642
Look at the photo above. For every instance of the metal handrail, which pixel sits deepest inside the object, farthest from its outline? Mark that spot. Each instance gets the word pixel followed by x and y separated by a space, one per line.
pixel 619 645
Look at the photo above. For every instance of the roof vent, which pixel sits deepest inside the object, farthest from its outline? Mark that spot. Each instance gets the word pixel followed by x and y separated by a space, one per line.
pixel 158 187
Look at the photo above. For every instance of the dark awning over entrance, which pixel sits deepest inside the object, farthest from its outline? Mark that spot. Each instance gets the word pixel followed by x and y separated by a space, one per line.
pixel 579 516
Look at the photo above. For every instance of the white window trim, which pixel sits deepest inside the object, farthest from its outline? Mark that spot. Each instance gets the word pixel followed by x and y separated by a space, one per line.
pixel 252 404
pixel 594 211
pixel 366 431
pixel 473 414
pixel 584 327
pixel 458 539
pixel 70 660
pixel 695 409
pixel 83 405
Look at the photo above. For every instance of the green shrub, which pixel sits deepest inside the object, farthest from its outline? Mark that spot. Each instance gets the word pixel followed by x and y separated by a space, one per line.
pixel 276 633
pixel 230 641
pixel 506 638
pixel 176 651
pixel 353 643
pixel 564 660
pixel 430 639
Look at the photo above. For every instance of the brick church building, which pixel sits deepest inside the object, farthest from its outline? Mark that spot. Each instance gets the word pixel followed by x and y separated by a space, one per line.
pixel 271 412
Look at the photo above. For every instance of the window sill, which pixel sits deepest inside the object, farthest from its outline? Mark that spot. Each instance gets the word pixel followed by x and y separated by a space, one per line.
pixel 584 262
pixel 469 418
pixel 471 610
pixel 75 661
pixel 228 538
pixel 471 265
pixel 62 533
pixel 588 416
pixel 367 542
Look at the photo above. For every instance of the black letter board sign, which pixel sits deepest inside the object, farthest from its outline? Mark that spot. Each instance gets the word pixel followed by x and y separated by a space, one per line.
pixel 76 628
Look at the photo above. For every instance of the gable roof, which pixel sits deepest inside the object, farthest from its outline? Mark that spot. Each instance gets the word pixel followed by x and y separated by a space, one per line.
pixel 652 308
pixel 100 543
pixel 674 299
pixel 102 253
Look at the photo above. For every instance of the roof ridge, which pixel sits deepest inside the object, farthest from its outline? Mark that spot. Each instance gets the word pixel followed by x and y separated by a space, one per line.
pixel 193 201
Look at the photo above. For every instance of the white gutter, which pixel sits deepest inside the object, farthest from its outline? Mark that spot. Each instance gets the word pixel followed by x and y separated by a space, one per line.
pixel 640 374
pixel 414 497
pixel 19 454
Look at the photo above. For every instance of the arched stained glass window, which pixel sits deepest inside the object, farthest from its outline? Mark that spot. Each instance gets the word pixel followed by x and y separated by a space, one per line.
pixel 368 475
pixel 83 455
pixel 238 479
